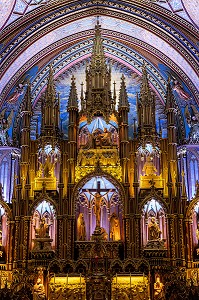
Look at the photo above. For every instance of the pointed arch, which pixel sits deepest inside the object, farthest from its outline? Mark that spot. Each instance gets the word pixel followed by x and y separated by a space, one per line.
pixel 191 206
pixel 8 211
pixel 42 197
pixel 98 173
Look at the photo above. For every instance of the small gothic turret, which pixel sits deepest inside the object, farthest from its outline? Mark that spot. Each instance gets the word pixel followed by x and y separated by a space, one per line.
pixel 50 109
pixel 72 131
pixel 146 108
pixel 171 128
pixel 25 137
pixel 123 109
pixel 98 100
pixel 123 97
pixel 72 101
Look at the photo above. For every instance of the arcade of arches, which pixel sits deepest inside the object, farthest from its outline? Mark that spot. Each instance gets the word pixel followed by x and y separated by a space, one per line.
pixel 99 149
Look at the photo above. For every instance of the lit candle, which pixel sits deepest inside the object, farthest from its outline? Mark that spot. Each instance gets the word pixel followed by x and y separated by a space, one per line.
pixel 116 280
pixel 130 280
pixel 80 280
pixel 143 277
pixel 54 278
pixel 67 279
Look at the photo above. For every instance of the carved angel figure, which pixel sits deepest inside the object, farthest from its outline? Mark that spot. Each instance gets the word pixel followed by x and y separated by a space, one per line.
pixel 5 124
pixel 192 118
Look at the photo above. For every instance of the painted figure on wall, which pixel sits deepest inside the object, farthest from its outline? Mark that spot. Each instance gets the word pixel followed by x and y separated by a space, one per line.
pixel 154 230
pixel 177 86
pixel 115 228
pixel 81 228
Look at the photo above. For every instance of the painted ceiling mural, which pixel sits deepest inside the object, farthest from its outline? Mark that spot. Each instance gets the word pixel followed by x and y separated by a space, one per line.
pixel 133 34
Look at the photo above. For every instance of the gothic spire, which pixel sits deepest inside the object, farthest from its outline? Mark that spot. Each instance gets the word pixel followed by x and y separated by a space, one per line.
pixel 98 62
pixel 27 99
pixel 146 107
pixel 72 101
pixel 144 90
pixel 98 99
pixel 50 95
pixel 123 97
pixel 169 96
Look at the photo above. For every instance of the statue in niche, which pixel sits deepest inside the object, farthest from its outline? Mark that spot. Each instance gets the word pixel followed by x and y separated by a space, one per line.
pixel 115 228
pixel 98 200
pixel 99 139
pixel 102 138
pixel 105 137
pixel 154 230
pixel 1 232
pixel 197 236
pixel 158 286
pixel 192 118
pixel 149 169
pixel 39 292
pixel 5 124
pixel 81 228
pixel 47 169
pixel 43 230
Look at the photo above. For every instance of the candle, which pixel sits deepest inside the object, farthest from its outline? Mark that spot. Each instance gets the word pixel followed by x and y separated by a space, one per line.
pixel 116 280
pixel 80 280
pixel 54 278
pixel 67 279
pixel 130 280
pixel 143 277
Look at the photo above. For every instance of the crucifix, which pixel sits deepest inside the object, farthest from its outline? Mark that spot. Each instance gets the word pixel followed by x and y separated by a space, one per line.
pixel 98 199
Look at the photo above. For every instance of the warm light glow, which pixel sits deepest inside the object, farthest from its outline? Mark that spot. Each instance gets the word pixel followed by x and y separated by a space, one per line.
pixel 125 280
pixel 70 280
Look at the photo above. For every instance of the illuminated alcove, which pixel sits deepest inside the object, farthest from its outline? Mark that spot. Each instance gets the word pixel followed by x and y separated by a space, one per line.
pixel 153 209
pixel 97 126
pixel 195 228
pixel 111 207
pixel 3 234
pixel 44 212
pixel 48 161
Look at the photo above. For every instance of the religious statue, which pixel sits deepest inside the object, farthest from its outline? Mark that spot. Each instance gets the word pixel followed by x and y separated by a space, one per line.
pixel 39 292
pixel 105 137
pixel 197 236
pixel 149 168
pixel 81 229
pixel 43 230
pixel 154 230
pixel 98 200
pixel 102 138
pixel 48 168
pixel 5 123
pixel 0 232
pixel 192 118
pixel 115 228
pixel 158 286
